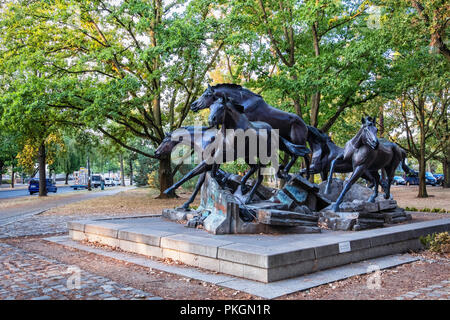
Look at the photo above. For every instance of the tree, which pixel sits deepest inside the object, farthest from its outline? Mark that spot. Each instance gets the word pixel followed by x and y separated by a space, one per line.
pixel 315 58
pixel 427 19
pixel 128 67
pixel 8 153
pixel 26 113
pixel 417 32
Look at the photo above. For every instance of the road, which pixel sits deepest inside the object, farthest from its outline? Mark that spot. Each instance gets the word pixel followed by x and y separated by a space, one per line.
pixel 21 192
pixel 10 215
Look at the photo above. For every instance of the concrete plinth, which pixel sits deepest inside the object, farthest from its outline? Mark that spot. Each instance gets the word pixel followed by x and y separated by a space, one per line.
pixel 261 257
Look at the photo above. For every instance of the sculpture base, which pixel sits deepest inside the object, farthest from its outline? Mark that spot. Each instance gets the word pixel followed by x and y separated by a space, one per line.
pixel 223 209
pixel 261 257
pixel 360 215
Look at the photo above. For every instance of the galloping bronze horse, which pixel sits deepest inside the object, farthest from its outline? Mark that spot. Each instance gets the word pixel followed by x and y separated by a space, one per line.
pixel 291 127
pixel 324 152
pixel 231 115
pixel 197 142
pixel 367 156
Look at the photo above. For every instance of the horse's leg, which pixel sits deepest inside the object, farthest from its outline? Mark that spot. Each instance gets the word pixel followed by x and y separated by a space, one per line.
pixel 390 172
pixel 244 179
pixel 330 175
pixel 200 168
pixel 289 166
pixel 307 162
pixel 375 178
pixel 255 187
pixel 324 174
pixel 199 184
pixel 357 172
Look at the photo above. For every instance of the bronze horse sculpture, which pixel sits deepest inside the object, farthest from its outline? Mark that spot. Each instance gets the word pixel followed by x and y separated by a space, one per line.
pixel 207 165
pixel 231 115
pixel 291 127
pixel 367 156
pixel 199 143
pixel 324 152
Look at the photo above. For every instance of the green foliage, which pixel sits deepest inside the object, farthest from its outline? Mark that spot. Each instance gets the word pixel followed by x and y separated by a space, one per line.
pixel 437 242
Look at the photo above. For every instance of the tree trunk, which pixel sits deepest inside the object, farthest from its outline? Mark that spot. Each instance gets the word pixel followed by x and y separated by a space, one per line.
pixel 131 172
pixel 381 121
pixel 12 176
pixel 89 174
pixel 42 174
pixel 446 167
pixel 1 174
pixel 446 163
pixel 122 174
pixel 67 178
pixel 422 160
pixel 165 178
pixel 315 99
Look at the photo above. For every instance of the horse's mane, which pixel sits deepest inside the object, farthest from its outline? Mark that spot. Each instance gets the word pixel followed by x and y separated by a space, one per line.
pixel 318 134
pixel 234 86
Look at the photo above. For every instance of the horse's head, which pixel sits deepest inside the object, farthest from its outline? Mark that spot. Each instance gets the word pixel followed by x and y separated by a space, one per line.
pixel 206 99
pixel 166 146
pixel 221 108
pixel 369 132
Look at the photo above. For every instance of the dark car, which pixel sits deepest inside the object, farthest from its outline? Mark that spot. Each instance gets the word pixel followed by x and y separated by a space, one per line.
pixel 398 180
pixel 430 179
pixel 439 178
pixel 412 178
pixel 33 186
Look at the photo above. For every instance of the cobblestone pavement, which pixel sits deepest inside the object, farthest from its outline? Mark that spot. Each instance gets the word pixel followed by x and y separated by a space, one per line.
pixel 38 225
pixel 29 276
pixel 440 291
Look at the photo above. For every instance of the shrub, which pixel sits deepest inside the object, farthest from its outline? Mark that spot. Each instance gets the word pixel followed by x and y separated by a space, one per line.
pixel 437 242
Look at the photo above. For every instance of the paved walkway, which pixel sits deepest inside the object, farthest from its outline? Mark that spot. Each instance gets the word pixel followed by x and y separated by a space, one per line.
pixel 28 276
pixel 38 225
pixel 439 291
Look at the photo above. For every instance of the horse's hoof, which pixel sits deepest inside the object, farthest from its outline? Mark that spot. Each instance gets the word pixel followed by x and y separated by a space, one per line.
pixel 184 207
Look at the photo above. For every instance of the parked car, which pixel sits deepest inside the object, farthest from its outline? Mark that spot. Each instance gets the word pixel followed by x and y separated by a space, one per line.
pixel 398 180
pixel 412 178
pixel 96 180
pixel 33 186
pixel 439 178
pixel 430 179
pixel 109 182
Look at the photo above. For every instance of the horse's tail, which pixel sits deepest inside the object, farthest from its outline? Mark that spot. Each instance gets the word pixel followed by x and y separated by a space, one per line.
pixel 404 166
pixel 296 149
pixel 316 135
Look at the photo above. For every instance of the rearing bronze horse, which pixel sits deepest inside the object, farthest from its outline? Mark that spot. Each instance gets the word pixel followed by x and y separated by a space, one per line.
pixel 291 127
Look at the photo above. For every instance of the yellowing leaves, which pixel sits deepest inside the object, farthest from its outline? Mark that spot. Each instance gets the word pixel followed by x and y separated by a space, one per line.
pixel 54 145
